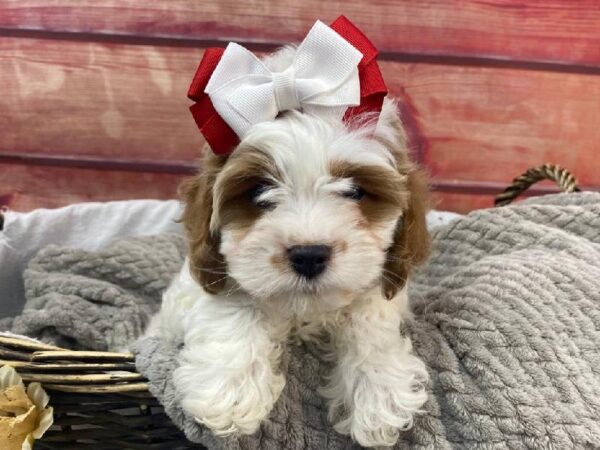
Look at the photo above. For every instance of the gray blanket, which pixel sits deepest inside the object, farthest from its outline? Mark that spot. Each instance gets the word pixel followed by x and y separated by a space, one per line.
pixel 507 318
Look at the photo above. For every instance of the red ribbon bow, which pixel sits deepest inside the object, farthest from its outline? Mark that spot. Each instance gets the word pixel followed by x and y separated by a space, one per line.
pixel 222 139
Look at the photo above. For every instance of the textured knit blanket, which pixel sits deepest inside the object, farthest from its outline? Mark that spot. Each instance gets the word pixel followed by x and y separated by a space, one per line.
pixel 507 318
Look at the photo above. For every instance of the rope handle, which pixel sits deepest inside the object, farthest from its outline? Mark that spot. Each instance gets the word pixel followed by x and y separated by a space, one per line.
pixel 561 176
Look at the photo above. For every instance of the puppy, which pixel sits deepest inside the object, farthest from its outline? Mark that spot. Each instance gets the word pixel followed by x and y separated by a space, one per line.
pixel 309 226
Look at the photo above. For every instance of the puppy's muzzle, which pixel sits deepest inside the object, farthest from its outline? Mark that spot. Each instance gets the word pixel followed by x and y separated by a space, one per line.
pixel 309 260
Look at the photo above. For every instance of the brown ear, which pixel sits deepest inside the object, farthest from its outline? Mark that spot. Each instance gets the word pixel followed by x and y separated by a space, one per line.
pixel 410 246
pixel 207 265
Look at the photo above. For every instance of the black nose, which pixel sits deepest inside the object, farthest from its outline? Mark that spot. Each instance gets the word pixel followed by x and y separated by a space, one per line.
pixel 309 260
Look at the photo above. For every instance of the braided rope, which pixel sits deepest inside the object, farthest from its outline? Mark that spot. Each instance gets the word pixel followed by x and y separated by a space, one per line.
pixel 563 178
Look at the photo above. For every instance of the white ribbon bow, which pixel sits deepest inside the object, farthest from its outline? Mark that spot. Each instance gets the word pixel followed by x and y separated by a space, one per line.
pixel 322 79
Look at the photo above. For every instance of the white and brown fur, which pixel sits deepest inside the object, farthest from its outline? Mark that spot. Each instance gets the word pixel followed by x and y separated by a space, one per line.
pixel 236 301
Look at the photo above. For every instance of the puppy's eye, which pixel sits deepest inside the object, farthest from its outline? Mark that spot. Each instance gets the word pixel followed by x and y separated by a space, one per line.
pixel 255 192
pixel 356 193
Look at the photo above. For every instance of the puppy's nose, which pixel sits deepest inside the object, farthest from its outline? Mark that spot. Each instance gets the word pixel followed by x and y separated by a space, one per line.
pixel 309 260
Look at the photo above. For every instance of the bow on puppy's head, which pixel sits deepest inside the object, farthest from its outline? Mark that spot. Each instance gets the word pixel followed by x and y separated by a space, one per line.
pixel 334 74
pixel 309 191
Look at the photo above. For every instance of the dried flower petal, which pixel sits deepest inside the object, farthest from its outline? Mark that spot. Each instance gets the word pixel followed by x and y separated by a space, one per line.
pixel 24 413
pixel 9 377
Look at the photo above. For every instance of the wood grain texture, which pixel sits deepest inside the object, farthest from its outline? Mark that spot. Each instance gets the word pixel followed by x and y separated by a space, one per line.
pixel 26 187
pixel 460 203
pixel 127 103
pixel 492 124
pixel 557 31
pixel 94 99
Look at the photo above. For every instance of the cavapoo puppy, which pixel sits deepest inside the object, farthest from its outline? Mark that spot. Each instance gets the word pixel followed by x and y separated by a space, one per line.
pixel 309 227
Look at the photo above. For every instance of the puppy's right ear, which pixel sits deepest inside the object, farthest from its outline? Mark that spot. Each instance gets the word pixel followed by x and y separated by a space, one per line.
pixel 207 265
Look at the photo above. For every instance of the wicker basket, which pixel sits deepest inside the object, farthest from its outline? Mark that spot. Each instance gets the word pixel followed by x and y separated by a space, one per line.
pixel 102 402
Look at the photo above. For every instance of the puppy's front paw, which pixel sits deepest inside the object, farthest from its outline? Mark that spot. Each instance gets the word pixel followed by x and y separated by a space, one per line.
pixel 228 405
pixel 382 404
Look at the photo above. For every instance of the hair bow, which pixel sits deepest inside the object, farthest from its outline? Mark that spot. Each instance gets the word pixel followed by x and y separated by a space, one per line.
pixel 334 74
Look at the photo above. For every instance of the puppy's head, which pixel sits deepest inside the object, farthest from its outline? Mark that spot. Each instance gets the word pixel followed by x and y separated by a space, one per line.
pixel 307 209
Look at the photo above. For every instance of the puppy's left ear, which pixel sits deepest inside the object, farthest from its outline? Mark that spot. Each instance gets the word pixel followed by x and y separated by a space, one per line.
pixel 411 241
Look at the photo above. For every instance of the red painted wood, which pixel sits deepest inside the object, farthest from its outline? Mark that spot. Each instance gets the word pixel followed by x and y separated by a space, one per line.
pixel 491 124
pixel 560 31
pixel 100 162
pixel 122 101
pixel 460 203
pixel 97 102
pixel 25 187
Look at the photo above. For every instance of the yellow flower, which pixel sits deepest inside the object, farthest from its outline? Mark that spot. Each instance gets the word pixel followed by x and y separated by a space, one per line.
pixel 24 413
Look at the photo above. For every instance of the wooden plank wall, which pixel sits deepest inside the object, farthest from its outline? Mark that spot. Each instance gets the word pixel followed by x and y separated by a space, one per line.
pixel 93 104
